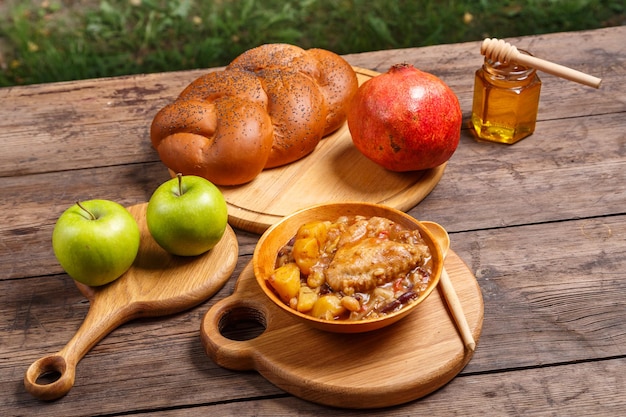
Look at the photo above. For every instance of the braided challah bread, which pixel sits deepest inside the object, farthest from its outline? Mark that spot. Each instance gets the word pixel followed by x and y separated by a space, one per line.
pixel 269 107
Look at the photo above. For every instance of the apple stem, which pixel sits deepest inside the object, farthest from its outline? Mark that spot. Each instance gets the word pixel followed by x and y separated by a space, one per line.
pixel 180 184
pixel 87 211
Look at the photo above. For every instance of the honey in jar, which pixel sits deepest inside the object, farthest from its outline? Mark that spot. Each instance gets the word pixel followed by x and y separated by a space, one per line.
pixel 506 101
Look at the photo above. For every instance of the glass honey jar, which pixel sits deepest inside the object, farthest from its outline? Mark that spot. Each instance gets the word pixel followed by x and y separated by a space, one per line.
pixel 506 101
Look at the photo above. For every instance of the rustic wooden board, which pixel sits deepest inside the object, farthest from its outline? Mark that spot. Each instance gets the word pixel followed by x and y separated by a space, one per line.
pixel 390 366
pixel 157 284
pixel 335 171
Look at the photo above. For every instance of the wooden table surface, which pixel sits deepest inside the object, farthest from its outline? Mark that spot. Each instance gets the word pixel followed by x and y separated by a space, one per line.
pixel 541 224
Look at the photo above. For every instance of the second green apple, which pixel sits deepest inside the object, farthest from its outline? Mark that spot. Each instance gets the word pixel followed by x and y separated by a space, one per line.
pixel 187 215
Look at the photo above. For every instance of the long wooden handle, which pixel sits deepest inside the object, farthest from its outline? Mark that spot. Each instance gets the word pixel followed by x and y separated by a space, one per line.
pixel 499 50
pixel 98 323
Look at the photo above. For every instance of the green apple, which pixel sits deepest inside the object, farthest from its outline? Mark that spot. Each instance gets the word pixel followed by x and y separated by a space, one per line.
pixel 95 241
pixel 187 215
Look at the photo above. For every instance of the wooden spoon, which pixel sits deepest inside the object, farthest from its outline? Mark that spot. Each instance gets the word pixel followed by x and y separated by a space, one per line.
pixel 156 284
pixel 441 235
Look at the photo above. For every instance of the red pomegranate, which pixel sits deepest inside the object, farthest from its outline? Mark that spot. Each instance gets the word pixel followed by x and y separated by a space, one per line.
pixel 405 119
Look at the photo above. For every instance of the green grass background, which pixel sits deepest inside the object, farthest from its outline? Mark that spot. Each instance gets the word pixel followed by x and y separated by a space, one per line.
pixel 54 40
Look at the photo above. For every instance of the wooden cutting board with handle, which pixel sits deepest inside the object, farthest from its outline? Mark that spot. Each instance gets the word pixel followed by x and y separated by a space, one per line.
pixel 396 364
pixel 157 284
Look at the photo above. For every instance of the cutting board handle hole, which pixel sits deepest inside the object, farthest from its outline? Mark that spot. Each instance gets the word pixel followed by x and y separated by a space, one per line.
pixel 48 377
pixel 242 323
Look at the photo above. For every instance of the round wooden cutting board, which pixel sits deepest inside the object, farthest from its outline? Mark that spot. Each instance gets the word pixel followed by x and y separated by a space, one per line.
pixel 390 366
pixel 335 171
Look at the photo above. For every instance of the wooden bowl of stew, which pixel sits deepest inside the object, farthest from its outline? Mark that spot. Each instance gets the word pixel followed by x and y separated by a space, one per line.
pixel 347 267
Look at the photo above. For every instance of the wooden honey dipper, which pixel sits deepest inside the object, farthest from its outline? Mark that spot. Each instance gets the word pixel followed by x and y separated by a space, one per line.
pixel 499 50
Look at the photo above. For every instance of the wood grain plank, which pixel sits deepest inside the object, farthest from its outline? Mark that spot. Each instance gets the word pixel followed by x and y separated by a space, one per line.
pixel 553 293
pixel 570 168
pixel 78 124
pixel 591 389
